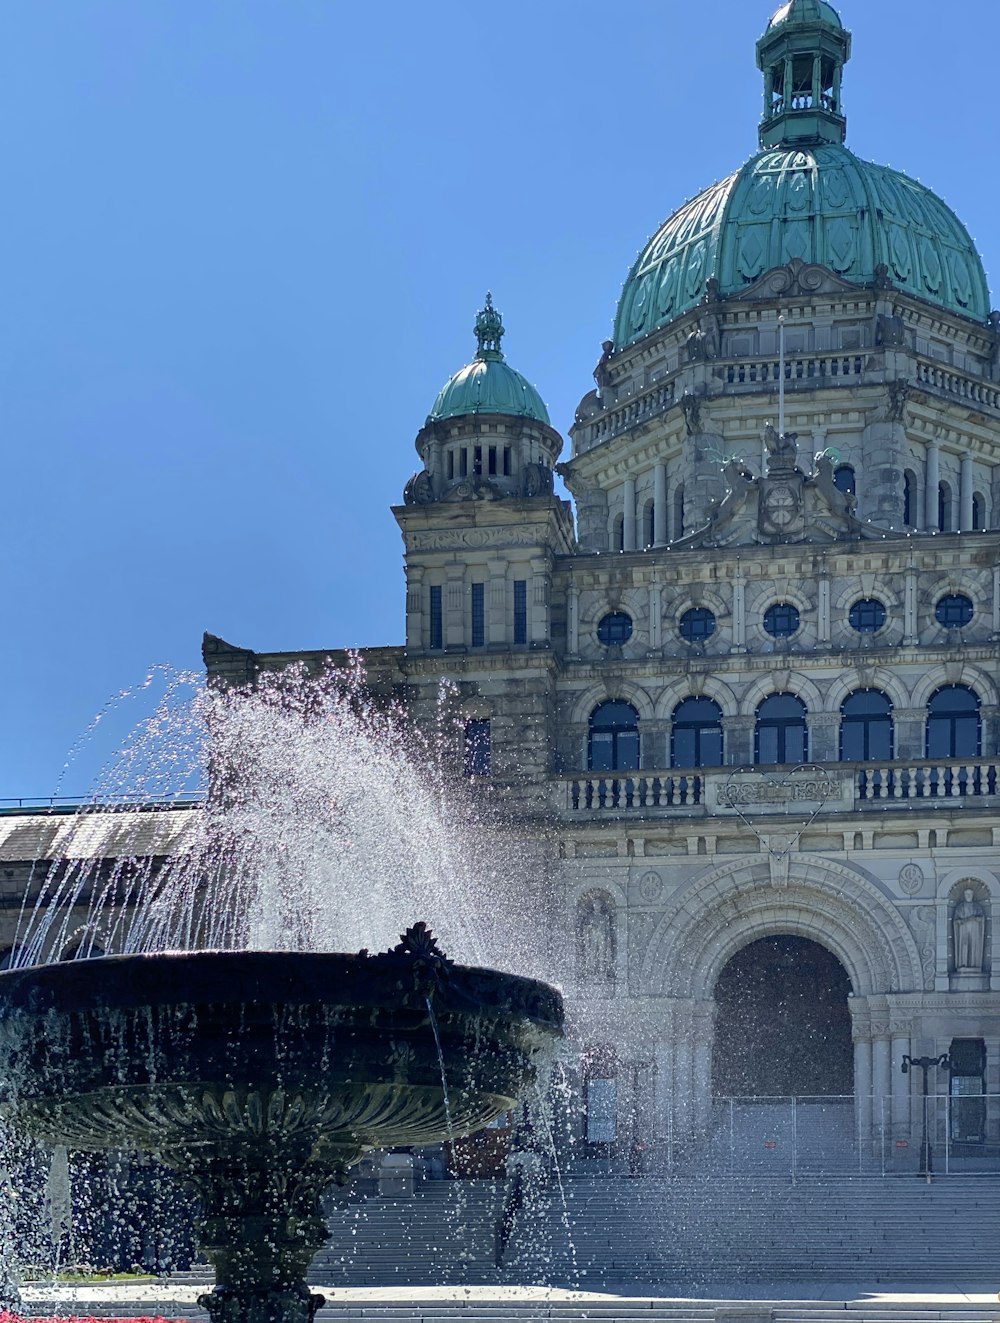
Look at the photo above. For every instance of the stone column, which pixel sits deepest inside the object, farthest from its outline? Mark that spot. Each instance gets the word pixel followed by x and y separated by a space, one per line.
pixel 910 630
pixel 965 495
pixel 739 615
pixel 629 520
pixel 737 734
pixel 881 1080
pixel 824 736
pixel 664 1088
pixel 538 609
pixel 573 622
pixel 660 505
pixel 655 617
pixel 454 608
pixel 900 1082
pixel 823 609
pixel 496 603
pixel 414 607
pixel 932 477
pixel 863 1088
pixel 703 1037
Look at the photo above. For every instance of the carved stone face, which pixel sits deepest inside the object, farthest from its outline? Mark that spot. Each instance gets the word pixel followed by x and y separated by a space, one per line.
pixel 968 893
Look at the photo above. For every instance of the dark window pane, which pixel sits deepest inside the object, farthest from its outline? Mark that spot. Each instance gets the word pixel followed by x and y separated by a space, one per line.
pixel 843 479
pixel 477 748
pixel 437 626
pixel 852 742
pixel 867 615
pixel 614 737
pixel 627 752
pixel 767 744
pixel 954 611
pixel 520 610
pixel 478 615
pixel 615 628
pixel 685 747
pixel 601 746
pixel 781 620
pixel 710 754
pixel 697 624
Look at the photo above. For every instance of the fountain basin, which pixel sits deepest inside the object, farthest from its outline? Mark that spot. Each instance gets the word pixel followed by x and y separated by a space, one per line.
pixel 262 1076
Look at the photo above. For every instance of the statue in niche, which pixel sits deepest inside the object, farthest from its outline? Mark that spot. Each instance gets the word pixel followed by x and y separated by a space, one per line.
pixel 691 408
pixel 969 930
pixel 899 393
pixel 596 941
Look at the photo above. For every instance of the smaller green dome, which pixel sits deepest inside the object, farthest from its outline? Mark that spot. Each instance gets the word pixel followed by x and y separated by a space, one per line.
pixel 489 384
pixel 806 11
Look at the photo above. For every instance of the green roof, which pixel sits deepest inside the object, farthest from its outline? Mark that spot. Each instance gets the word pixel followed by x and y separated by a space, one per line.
pixel 806 11
pixel 488 384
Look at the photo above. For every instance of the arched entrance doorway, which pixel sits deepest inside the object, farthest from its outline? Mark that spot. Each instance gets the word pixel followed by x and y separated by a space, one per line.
pixel 783 1026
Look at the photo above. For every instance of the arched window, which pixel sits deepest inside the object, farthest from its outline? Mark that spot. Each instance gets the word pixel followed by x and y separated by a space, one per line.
pixel 781 736
pixel 618 533
pixel 678 511
pixel 944 508
pixel 613 743
pixel 696 734
pixel 844 480
pixel 910 499
pixel 978 511
pixel 866 727
pixel 954 726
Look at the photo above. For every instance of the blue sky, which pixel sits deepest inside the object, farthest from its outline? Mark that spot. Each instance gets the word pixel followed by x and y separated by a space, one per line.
pixel 245 241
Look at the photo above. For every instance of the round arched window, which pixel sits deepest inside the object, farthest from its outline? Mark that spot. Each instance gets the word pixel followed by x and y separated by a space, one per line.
pixel 867 615
pixel 954 611
pixel 781 620
pixel 697 625
pixel 615 628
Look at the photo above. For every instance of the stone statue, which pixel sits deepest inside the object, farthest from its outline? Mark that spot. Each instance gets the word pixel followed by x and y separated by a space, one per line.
pixel 899 393
pixel 782 451
pixel 601 371
pixel 596 940
pixel 691 407
pixel 969 924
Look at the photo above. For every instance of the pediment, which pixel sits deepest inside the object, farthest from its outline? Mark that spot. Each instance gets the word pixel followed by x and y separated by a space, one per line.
pixel 798 278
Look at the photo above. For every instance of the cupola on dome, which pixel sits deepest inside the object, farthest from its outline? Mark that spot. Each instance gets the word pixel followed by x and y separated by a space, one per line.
pixel 804 196
pixel 489 384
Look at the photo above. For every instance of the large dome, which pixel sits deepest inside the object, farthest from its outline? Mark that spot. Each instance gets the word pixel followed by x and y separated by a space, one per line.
pixel 805 196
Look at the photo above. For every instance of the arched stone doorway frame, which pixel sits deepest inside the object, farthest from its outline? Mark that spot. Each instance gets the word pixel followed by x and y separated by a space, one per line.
pixel 722 910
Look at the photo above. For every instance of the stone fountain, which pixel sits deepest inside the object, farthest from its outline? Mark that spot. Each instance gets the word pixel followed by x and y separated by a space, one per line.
pixel 261 1076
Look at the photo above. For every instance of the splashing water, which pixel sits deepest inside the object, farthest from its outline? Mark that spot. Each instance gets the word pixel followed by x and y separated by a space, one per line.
pixel 330 823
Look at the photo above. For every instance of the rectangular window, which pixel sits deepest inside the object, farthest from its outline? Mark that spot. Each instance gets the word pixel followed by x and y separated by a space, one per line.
pixel 478 615
pixel 492 456
pixel 477 461
pixel 506 461
pixel 601 1107
pixel 451 465
pixel 478 753
pixel 463 462
pixel 520 610
pixel 437 620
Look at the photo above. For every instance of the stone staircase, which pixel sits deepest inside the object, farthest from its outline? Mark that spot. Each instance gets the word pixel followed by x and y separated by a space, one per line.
pixel 674 1234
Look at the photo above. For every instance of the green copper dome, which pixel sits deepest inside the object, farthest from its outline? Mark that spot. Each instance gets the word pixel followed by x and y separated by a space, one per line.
pixel 489 384
pixel 804 196
pixel 806 11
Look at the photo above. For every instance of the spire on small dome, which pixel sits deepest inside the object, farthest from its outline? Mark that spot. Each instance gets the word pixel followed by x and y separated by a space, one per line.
pixel 802 56
pixel 489 331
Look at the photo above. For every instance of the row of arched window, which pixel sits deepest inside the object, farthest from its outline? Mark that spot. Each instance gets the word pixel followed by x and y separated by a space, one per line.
pixel 781 732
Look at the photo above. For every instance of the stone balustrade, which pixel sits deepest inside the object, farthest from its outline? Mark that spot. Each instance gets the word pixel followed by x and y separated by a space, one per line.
pixel 819 788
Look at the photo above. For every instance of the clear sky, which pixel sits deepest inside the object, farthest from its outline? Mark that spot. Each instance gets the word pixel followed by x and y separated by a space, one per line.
pixel 244 244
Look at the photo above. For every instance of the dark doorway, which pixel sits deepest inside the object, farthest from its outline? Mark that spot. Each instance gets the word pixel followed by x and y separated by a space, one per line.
pixel 783 1026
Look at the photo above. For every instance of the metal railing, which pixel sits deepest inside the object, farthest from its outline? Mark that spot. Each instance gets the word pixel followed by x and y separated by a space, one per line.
pixel 812 1135
pixel 107 803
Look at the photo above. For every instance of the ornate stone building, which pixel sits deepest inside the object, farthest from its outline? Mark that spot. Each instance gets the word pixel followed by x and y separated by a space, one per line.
pixel 745 703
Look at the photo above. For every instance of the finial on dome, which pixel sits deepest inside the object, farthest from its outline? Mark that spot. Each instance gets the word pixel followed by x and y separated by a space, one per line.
pixel 489 330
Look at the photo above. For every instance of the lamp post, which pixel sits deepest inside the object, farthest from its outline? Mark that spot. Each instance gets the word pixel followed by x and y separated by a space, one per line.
pixel 925 1064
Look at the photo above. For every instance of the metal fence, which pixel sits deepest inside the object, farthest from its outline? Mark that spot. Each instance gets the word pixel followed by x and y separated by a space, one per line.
pixel 805 1136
